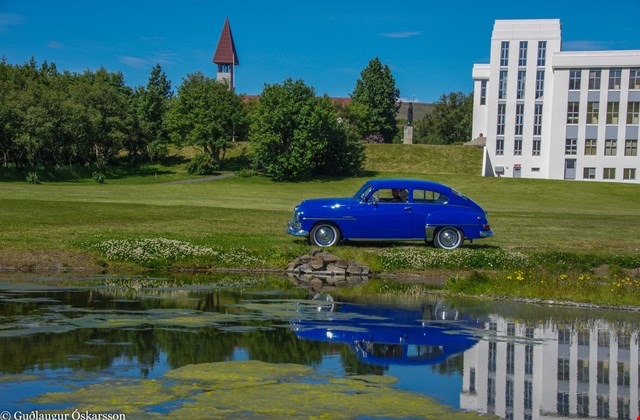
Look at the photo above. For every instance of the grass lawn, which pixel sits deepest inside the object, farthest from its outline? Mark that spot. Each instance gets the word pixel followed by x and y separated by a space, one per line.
pixel 61 224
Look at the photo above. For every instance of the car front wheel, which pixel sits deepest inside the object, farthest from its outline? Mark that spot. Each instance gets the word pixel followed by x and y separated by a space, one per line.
pixel 448 238
pixel 325 234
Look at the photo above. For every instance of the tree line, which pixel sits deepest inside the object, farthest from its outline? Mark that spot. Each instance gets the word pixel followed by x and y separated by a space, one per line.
pixel 51 119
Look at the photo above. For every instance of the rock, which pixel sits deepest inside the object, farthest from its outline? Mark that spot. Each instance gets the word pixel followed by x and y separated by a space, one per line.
pixel 321 270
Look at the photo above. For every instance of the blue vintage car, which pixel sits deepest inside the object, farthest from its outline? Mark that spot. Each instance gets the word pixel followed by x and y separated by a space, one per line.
pixel 392 210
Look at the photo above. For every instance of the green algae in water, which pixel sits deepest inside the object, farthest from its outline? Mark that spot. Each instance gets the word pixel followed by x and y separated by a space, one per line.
pixel 255 389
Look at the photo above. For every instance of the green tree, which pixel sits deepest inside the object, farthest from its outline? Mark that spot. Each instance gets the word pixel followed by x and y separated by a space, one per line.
pixel 149 105
pixel 449 122
pixel 297 134
pixel 207 115
pixel 376 89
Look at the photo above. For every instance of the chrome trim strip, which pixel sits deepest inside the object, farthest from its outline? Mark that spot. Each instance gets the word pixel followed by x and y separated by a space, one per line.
pixel 384 239
pixel 329 218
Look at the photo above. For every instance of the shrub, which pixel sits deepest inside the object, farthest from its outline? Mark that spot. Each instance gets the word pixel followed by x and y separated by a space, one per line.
pixel 202 165
pixel 98 177
pixel 32 178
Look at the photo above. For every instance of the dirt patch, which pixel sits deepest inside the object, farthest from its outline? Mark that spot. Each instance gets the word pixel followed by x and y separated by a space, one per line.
pixel 55 260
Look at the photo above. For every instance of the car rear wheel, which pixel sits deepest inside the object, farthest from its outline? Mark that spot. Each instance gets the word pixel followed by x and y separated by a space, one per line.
pixel 325 234
pixel 448 238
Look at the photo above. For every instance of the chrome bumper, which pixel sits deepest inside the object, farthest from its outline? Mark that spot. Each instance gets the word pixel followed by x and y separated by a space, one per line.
pixel 294 228
pixel 486 233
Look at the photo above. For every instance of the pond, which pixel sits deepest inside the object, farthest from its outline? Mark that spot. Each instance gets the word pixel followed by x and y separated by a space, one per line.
pixel 253 346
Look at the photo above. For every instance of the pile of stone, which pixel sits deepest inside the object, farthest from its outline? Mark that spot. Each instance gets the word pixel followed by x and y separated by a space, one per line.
pixel 324 271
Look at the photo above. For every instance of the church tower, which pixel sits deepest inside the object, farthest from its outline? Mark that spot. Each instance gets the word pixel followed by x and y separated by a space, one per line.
pixel 226 57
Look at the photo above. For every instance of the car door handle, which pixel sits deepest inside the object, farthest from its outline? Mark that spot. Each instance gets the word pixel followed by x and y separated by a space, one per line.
pixel 408 208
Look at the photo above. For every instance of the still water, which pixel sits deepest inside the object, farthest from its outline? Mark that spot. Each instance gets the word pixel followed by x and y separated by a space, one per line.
pixel 66 334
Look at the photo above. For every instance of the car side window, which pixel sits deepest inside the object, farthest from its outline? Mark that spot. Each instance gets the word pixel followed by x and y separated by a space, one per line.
pixel 429 197
pixel 392 195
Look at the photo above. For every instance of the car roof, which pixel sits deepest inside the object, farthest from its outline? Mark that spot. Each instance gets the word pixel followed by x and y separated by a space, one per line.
pixel 408 183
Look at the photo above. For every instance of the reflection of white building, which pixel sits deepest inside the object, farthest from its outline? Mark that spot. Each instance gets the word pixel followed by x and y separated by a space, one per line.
pixel 548 113
pixel 550 372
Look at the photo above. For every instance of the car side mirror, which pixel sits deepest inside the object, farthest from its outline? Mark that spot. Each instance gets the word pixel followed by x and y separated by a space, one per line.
pixel 372 200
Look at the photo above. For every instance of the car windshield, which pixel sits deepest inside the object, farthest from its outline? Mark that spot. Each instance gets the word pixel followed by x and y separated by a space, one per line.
pixel 362 192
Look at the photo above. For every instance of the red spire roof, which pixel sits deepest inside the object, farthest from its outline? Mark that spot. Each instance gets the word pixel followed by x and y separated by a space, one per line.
pixel 226 50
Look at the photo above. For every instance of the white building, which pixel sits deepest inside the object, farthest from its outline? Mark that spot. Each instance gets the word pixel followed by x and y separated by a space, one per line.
pixel 550 371
pixel 548 113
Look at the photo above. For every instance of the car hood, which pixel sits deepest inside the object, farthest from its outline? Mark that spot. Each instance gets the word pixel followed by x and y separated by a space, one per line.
pixel 334 203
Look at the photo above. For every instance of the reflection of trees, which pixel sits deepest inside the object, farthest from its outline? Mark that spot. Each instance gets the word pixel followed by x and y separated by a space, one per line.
pixel 454 365
pixel 86 349
pixel 353 366
pixel 201 346
pixel 283 346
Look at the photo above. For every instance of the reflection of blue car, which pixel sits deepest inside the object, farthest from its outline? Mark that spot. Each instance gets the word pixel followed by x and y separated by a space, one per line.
pixel 392 209
pixel 388 336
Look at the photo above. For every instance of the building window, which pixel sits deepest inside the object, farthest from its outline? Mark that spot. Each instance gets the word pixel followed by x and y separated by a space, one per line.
pixel 522 76
pixel 574 79
pixel 528 360
pixel 528 395
pixel 629 173
pixel 537 143
pixel 483 92
pixel 609 173
pixel 615 79
pixel 589 173
pixel 613 110
pixel 537 120
pixel 563 369
pixel 582 407
pixel 634 79
pixel 472 380
pixel 501 119
pixel 631 148
pixel 502 85
pixel 511 357
pixel 624 374
pixel 594 79
pixel 583 371
pixel 603 371
pixel 562 407
pixel 633 111
pixel 539 84
pixel 542 53
pixel 593 109
pixel 493 351
pixel 590 147
pixel 517 147
pixel 519 119
pixel 504 53
pixel 571 147
pixel 603 338
pixel 522 54
pixel 610 147
pixel 500 147
pixel 602 404
pixel 573 110
pixel 508 393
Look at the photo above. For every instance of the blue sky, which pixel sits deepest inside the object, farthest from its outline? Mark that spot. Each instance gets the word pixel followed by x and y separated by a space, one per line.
pixel 430 46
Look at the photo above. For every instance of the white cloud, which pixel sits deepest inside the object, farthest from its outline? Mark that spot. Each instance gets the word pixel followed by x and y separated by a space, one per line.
pixel 135 62
pixel 406 34
pixel 55 45
pixel 8 19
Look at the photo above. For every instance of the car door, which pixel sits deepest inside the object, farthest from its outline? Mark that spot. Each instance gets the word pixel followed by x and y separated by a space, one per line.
pixel 424 203
pixel 382 217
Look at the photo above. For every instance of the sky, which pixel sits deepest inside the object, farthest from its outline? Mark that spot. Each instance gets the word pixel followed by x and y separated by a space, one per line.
pixel 430 46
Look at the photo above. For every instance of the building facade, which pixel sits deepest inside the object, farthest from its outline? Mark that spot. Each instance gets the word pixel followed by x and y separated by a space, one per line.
pixel 553 371
pixel 553 114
